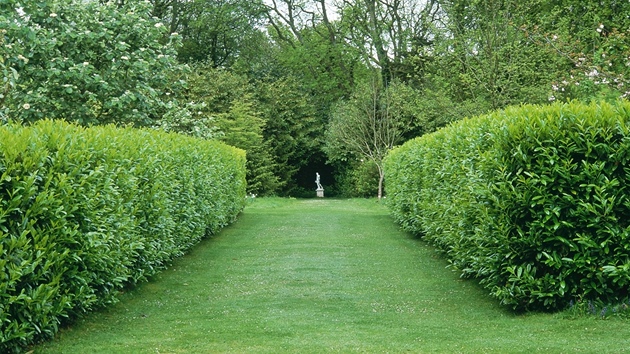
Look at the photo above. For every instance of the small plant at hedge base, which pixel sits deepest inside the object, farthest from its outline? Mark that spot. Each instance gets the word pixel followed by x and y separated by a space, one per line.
pixel 597 309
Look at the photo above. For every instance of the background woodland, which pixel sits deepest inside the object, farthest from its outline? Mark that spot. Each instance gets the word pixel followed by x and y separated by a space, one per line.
pixel 305 86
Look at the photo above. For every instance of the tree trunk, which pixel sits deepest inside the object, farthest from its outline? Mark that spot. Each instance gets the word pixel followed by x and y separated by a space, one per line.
pixel 381 177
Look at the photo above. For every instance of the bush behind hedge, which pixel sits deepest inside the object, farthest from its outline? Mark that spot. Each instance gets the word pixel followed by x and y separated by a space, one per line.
pixel 532 200
pixel 85 212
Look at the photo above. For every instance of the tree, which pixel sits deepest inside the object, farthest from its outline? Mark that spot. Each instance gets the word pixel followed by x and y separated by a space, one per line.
pixel 229 104
pixel 592 39
pixel 388 32
pixel 87 62
pixel 487 59
pixel 291 127
pixel 217 31
pixel 368 125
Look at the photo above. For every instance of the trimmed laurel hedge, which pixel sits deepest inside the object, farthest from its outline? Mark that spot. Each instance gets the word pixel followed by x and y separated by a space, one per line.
pixel 85 212
pixel 533 201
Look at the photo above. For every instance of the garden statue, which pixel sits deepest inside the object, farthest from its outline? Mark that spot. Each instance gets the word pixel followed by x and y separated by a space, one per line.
pixel 320 189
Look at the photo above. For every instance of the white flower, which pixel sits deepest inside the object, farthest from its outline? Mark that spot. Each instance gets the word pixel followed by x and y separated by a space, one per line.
pixel 26 106
pixel 160 56
pixel 593 73
pixel 552 98
pixel 53 15
pixel 158 25
pixel 85 63
pixel 554 37
pixel 174 34
pixel 124 57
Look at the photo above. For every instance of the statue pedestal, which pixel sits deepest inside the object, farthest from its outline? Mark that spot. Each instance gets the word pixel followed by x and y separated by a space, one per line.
pixel 320 192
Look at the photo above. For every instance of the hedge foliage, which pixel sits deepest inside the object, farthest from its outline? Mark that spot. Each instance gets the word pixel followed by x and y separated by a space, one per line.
pixel 85 212
pixel 533 201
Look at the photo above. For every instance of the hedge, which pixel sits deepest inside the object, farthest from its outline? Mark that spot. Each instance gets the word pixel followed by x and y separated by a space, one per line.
pixel 85 212
pixel 532 200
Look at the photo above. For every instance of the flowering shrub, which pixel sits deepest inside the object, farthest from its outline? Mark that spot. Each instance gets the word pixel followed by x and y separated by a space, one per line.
pixel 85 61
pixel 534 201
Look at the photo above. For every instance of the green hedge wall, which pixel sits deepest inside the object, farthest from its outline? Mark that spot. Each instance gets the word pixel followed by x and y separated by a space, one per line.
pixel 533 201
pixel 85 212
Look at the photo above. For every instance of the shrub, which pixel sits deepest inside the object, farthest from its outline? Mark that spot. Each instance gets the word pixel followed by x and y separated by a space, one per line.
pixel 87 211
pixel 532 200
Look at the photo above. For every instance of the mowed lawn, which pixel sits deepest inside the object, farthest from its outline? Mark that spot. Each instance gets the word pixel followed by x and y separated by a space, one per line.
pixel 320 276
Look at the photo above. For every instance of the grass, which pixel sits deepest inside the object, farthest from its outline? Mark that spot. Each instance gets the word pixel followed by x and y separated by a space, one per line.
pixel 318 276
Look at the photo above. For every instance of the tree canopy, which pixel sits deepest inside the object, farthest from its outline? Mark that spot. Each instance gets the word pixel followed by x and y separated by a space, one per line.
pixel 280 78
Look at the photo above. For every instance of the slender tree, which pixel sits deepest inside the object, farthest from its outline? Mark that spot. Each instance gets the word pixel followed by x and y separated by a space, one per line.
pixel 368 125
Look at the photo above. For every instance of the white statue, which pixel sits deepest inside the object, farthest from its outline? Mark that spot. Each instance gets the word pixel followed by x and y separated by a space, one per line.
pixel 319 186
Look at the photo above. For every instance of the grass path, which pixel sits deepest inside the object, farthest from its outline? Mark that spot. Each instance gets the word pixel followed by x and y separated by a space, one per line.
pixel 319 276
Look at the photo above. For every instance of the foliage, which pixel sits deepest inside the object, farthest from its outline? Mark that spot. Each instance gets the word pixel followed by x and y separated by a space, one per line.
pixel 592 39
pixel 228 104
pixel 596 309
pixel 387 33
pixel 356 179
pixel 291 129
pixel 457 58
pixel 326 67
pixel 486 56
pixel 85 212
pixel 86 62
pixel 369 125
pixel 188 119
pixel 272 119
pixel 9 73
pixel 218 31
pixel 531 200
